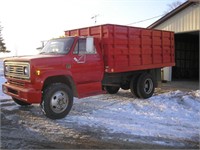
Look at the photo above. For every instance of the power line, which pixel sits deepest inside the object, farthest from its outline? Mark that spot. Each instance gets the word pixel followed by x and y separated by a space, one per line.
pixel 144 20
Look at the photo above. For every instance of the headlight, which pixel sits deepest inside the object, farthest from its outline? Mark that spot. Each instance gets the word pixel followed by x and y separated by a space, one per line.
pixel 6 68
pixel 26 71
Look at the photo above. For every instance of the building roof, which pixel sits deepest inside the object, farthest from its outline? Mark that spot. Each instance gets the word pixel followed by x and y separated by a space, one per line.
pixel 173 12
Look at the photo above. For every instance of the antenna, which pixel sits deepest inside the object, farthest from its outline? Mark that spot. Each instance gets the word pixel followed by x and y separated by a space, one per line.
pixel 95 18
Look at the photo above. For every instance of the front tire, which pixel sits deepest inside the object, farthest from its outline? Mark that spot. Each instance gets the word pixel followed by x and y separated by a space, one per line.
pixel 21 103
pixel 57 101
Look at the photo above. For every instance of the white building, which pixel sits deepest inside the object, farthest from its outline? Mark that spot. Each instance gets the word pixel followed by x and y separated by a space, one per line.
pixel 185 22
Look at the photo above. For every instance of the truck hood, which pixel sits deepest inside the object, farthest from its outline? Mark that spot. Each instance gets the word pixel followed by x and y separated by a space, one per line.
pixel 39 60
pixel 32 57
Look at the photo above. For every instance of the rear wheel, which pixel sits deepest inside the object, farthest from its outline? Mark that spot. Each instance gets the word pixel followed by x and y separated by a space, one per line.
pixel 112 89
pixel 145 86
pixel 21 103
pixel 133 86
pixel 57 101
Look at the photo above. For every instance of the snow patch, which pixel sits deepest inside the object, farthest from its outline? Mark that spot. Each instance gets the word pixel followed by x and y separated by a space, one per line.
pixel 173 115
pixel 2 80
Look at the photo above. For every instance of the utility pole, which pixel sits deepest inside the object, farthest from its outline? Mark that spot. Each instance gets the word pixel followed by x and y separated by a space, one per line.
pixel 95 18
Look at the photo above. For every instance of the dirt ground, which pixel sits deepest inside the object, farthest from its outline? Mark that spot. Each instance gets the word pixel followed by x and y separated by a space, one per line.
pixel 28 128
pixel 182 85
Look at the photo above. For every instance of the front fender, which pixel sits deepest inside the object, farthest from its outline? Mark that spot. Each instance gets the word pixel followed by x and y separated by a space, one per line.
pixel 48 74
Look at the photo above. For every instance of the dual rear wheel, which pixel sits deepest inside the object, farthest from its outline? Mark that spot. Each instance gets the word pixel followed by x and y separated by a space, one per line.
pixel 142 86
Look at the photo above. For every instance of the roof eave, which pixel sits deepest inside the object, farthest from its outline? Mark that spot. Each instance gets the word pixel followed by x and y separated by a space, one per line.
pixel 172 13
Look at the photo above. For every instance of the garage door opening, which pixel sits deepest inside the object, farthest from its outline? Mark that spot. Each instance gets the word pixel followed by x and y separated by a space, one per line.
pixel 186 56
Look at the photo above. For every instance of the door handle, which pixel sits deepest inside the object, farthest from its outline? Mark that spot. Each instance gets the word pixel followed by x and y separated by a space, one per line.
pixel 76 60
pixel 81 59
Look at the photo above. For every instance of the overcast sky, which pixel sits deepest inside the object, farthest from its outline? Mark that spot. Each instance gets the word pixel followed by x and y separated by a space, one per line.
pixel 27 22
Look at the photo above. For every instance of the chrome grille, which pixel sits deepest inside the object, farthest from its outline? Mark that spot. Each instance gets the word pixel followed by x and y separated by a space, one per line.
pixel 17 70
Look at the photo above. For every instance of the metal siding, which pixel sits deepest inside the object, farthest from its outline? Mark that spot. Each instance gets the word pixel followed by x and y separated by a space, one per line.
pixel 186 20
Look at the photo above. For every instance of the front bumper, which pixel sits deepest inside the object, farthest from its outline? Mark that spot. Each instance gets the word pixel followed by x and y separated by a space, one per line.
pixel 29 95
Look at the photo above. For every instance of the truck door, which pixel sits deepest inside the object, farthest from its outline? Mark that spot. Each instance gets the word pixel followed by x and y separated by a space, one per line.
pixel 87 67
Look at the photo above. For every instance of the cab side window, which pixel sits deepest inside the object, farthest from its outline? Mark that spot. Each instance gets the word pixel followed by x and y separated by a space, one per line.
pixel 80 47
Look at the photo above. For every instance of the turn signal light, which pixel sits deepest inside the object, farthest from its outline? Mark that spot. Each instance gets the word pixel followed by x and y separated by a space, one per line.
pixel 38 72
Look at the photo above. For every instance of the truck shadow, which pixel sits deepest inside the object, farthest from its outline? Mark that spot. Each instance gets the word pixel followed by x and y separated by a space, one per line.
pixel 126 94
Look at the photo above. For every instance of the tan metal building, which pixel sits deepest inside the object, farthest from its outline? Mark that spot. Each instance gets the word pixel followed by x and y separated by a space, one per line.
pixel 185 22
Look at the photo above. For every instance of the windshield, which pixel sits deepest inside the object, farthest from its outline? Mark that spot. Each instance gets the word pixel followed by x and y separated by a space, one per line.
pixel 58 46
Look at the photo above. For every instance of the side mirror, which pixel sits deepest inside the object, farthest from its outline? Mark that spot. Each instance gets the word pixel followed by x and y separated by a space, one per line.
pixel 90 44
pixel 42 44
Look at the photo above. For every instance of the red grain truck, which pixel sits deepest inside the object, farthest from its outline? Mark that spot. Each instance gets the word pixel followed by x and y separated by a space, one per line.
pixel 89 61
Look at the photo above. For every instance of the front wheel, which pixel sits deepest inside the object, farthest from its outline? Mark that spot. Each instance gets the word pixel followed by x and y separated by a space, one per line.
pixel 21 103
pixel 57 101
pixel 112 89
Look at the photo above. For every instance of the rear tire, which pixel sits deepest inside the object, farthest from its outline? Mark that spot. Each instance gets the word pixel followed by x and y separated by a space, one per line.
pixel 112 89
pixel 21 103
pixel 133 86
pixel 57 101
pixel 145 86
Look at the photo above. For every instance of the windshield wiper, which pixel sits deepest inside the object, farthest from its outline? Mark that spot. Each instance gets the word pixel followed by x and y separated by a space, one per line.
pixel 42 53
pixel 49 53
pixel 53 53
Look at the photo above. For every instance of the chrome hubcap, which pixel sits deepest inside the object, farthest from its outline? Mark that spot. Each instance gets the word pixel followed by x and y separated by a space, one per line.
pixel 59 102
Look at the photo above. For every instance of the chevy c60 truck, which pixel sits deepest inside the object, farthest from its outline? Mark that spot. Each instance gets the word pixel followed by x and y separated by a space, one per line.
pixel 89 61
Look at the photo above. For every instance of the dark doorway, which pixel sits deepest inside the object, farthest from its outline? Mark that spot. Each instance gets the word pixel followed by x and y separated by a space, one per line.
pixel 186 56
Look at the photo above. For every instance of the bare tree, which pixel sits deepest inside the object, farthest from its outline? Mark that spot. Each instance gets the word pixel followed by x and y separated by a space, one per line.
pixel 2 44
pixel 172 6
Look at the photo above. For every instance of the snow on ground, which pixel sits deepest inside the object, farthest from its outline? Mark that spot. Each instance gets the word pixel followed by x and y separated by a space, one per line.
pixel 2 80
pixel 174 115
